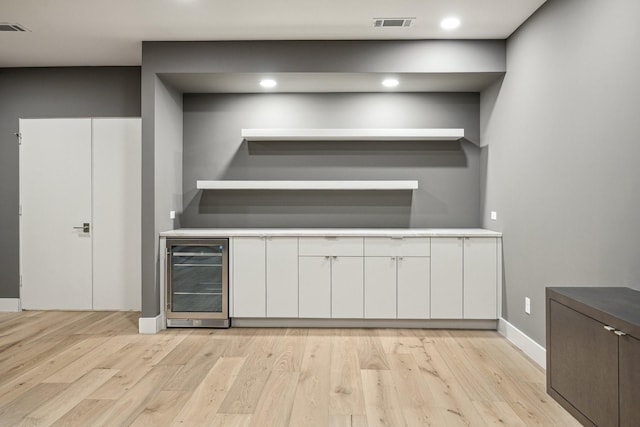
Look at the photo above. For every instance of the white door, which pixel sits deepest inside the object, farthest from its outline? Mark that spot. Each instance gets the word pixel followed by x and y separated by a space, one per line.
pixel 446 277
pixel 72 172
pixel 116 160
pixel 282 277
pixel 380 287
pixel 249 273
pixel 55 191
pixel 315 286
pixel 480 278
pixel 414 287
pixel 347 287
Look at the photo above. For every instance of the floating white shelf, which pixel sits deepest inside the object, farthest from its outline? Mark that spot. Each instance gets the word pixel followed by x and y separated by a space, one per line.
pixel 352 134
pixel 306 185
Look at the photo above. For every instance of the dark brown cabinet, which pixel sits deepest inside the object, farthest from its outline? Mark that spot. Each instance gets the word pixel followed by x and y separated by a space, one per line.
pixel 593 354
pixel 629 363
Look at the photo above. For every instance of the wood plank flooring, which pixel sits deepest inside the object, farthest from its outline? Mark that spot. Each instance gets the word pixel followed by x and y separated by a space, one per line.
pixel 94 369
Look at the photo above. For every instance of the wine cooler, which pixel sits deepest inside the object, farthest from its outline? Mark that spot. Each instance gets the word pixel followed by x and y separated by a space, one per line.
pixel 197 283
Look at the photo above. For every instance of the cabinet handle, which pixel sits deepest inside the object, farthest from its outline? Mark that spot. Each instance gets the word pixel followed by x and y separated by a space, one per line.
pixel 609 328
pixel 335 257
pixel 619 333
pixel 393 257
pixel 400 258
pixel 327 257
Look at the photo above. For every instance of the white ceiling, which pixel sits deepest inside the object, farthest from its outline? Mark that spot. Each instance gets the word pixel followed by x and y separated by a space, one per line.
pixel 110 32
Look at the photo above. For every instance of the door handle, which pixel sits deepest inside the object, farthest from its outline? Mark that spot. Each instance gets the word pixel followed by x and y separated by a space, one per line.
pixel 84 227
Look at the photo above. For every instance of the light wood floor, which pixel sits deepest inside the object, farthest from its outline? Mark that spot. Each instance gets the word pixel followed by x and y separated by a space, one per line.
pixel 93 368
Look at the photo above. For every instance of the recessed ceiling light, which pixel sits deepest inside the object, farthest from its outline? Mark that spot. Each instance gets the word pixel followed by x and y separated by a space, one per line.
pixel 268 83
pixel 390 82
pixel 450 23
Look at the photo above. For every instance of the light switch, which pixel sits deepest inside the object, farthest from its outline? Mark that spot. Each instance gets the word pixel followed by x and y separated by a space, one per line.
pixel 527 305
pixel 494 215
pixel 172 214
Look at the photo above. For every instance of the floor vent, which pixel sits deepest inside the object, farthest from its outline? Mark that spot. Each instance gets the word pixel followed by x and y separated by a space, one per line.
pixel 392 22
pixel 12 27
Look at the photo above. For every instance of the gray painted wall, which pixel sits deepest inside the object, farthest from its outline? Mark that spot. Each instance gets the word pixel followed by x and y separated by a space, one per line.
pixel 448 172
pixel 50 92
pixel 562 133
pixel 168 176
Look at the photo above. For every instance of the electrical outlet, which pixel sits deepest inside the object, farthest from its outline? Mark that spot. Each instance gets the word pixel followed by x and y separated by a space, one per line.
pixel 527 305
pixel 494 215
pixel 172 214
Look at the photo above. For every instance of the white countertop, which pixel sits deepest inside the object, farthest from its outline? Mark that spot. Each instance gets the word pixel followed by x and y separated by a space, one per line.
pixel 307 232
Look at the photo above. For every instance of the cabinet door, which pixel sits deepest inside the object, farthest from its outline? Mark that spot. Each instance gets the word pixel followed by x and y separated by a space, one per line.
pixel 413 287
pixel 249 264
pixel 282 277
pixel 446 277
pixel 314 286
pixel 629 348
pixel 480 278
pixel 347 287
pixel 380 287
pixel 583 359
pixel 415 246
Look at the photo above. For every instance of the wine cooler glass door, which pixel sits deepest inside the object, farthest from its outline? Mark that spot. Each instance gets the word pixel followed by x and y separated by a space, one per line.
pixel 198 279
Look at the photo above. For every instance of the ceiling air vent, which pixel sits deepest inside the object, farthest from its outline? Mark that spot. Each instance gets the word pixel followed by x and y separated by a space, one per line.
pixel 12 27
pixel 392 22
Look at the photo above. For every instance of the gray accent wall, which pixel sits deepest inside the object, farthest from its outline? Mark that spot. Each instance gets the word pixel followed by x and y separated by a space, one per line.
pixel 562 162
pixel 448 173
pixel 44 93
pixel 168 175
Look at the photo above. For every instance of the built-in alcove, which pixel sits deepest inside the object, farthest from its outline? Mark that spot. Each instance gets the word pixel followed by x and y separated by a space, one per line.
pixel 331 141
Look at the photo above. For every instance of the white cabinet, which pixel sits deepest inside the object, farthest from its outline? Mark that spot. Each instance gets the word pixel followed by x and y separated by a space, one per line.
pixel 331 246
pixel 347 287
pixel 397 277
pixel 314 286
pixel 446 278
pixel 331 276
pixel 282 276
pixel 414 285
pixel 265 276
pixel 480 278
pixel 365 277
pixel 380 278
pixel 464 278
pixel 249 273
pixel 393 246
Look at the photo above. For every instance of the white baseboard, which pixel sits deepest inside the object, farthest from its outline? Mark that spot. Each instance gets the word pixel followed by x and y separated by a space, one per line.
pixel 531 348
pixel 11 305
pixel 150 325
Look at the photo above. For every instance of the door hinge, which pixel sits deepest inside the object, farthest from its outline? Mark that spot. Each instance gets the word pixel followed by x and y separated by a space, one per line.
pixel 19 136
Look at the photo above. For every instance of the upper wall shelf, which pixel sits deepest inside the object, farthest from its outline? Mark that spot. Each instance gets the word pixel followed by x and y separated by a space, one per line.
pixel 306 185
pixel 367 134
